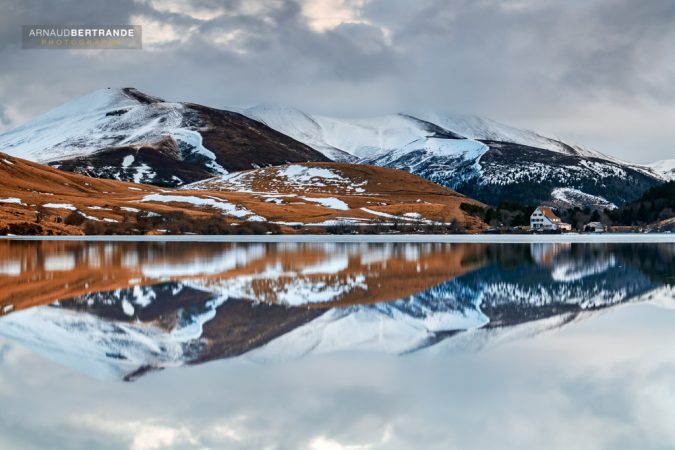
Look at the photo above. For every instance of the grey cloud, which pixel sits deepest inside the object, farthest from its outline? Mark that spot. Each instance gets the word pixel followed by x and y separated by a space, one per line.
pixel 553 65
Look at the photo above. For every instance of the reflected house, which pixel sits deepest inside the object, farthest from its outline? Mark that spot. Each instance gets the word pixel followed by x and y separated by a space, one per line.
pixel 545 253
pixel 595 227
pixel 544 219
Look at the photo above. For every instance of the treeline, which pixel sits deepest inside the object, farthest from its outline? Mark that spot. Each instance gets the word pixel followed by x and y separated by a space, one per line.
pixel 655 205
pixel 506 214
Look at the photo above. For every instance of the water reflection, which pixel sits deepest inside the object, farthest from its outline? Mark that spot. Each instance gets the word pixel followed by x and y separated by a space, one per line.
pixel 122 310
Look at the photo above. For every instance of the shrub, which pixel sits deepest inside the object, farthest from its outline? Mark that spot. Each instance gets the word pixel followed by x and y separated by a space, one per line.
pixel 74 218
pixel 473 210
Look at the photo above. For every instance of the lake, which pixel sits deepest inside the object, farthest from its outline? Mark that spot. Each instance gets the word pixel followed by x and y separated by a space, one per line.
pixel 333 345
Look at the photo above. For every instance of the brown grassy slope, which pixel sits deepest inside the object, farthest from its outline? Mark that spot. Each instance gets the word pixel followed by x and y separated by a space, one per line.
pixel 382 190
pixel 379 189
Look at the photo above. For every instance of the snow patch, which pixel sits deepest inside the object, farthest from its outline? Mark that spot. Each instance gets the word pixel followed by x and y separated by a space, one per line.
pixel 226 207
pixel 13 200
pixel 328 202
pixel 59 206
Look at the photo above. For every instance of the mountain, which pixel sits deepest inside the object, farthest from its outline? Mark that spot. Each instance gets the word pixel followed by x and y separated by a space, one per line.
pixel 127 135
pixel 39 199
pixel 665 168
pixel 478 157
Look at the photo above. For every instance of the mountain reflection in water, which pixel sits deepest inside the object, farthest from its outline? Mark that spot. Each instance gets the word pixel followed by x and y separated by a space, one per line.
pixel 124 309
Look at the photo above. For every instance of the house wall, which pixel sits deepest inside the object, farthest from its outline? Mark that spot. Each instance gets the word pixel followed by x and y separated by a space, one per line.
pixel 538 221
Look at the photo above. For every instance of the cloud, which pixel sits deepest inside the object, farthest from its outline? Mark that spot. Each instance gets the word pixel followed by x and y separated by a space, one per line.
pixel 552 65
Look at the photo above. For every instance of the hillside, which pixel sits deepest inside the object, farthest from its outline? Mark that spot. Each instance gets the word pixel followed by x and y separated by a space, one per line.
pixel 655 208
pixel 38 199
pixel 479 157
pixel 126 135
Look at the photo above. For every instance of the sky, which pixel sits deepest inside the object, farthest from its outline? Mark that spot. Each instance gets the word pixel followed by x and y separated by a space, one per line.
pixel 599 73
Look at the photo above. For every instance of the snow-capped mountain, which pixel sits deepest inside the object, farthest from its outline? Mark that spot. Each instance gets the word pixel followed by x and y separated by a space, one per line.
pixel 666 168
pixel 127 135
pixel 477 157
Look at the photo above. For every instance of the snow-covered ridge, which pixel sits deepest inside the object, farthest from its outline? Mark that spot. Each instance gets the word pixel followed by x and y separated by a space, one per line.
pixel 665 168
pixel 371 137
pixel 363 138
pixel 479 157
pixel 102 119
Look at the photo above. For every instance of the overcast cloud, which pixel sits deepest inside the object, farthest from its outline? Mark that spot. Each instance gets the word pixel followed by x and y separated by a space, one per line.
pixel 597 72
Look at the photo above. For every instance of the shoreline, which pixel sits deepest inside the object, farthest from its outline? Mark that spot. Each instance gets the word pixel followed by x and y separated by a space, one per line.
pixel 627 238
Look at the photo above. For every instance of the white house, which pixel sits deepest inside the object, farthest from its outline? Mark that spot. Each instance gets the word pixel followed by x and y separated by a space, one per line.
pixel 544 219
pixel 595 227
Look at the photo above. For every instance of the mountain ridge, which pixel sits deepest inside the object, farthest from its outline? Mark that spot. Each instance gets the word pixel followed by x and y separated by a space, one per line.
pixel 127 135
pixel 480 157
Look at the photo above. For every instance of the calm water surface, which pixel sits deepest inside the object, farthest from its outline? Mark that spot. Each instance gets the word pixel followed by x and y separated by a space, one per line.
pixel 336 346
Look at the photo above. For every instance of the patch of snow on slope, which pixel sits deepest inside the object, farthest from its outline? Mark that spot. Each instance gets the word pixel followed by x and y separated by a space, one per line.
pixel 576 197
pixel 328 202
pixel 194 140
pixel 143 173
pixel 127 161
pixel 297 174
pixel 12 200
pixel 226 207
pixel 59 206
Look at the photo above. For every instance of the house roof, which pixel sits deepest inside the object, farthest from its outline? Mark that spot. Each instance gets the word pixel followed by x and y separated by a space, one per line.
pixel 548 212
